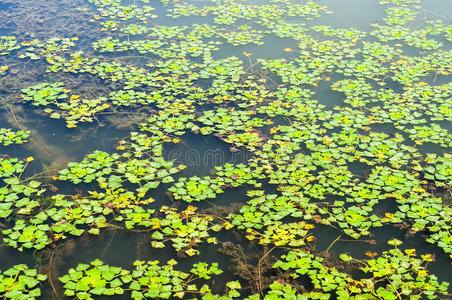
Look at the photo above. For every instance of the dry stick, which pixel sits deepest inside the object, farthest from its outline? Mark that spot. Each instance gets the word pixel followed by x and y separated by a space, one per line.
pixel 436 75
pixel 259 270
pixel 40 175
pixel 395 290
pixel 251 67
pixel 97 120
pixel 360 241
pixel 331 245
pixel 108 245
pixel 26 164
pixel 22 128
pixel 269 78
pixel 121 112
pixel 57 296
pixel 50 276
pixel 243 254
pixel 435 13
pixel 25 65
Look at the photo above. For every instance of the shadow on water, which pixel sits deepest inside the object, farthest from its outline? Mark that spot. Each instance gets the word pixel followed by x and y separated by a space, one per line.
pixel 121 249
pixel 53 144
pixel 202 153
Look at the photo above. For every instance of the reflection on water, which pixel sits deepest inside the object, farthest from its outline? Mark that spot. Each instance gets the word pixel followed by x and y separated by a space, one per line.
pixel 53 144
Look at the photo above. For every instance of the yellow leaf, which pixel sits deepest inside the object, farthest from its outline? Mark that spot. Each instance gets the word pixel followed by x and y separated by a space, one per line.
pixel 422 273
pixel 394 242
pixel 191 208
pixel 411 252
pixel 371 254
pixel 228 225
pixel 310 238
pixel 327 140
pixel 156 224
pixel 380 155
pixel 58 236
pixel 30 158
pixel 308 226
pixel 288 49
pixel 427 257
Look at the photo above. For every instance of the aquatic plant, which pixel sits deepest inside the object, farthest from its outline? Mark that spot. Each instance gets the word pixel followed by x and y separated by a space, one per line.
pixel 20 282
pixel 400 272
pixel 148 279
pixel 374 156
pixel 8 44
pixel 185 229
pixel 8 137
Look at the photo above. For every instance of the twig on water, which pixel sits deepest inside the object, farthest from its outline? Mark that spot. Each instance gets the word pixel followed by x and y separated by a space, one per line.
pixel 331 245
pixel 259 270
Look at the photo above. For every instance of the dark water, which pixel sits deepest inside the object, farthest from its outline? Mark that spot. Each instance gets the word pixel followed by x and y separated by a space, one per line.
pixel 54 145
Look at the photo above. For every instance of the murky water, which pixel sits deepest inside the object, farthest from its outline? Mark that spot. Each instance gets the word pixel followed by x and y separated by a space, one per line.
pixel 53 145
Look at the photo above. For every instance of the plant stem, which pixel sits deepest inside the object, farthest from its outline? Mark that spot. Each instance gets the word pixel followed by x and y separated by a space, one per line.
pixel 331 245
pixel 259 270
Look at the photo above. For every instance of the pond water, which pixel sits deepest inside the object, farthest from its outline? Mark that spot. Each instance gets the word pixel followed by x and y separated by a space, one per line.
pixel 268 149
